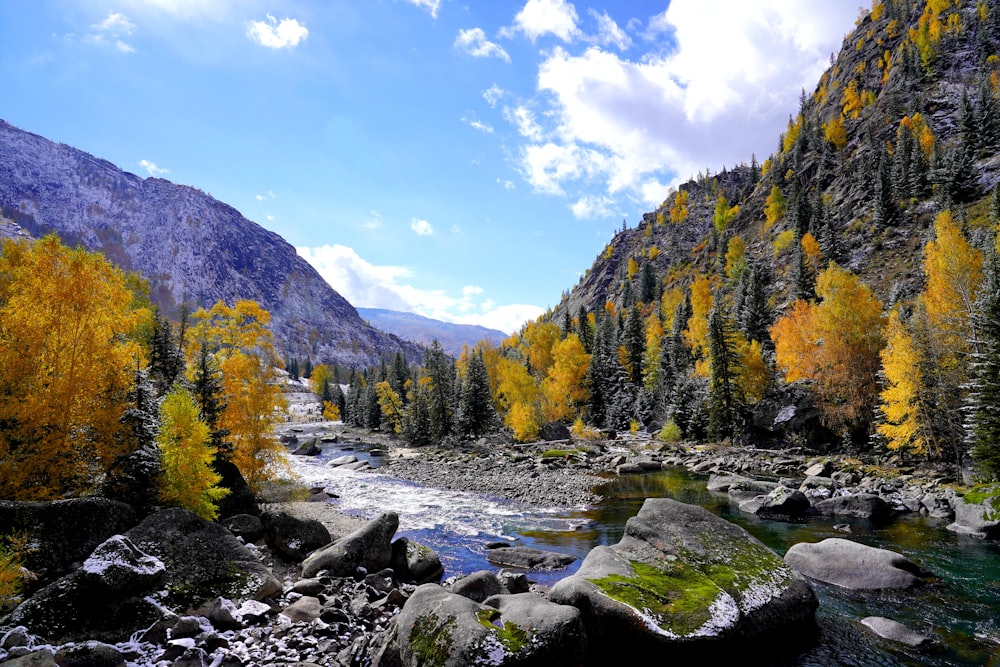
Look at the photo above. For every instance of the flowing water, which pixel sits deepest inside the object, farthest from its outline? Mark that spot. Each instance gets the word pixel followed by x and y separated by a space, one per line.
pixel 960 610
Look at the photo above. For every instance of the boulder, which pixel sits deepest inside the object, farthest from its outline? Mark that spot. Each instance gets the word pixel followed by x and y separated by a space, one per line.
pixel 203 560
pixel 823 469
pixel 89 654
pixel 293 538
pixel 629 469
pixel 240 499
pixel 342 460
pixel 436 627
pixel 303 610
pixel 478 586
pixel 937 506
pixel 722 482
pixel 895 631
pixel 976 519
pixel 554 431
pixel 368 547
pixel 682 583
pixel 62 532
pixel 244 526
pixel 106 599
pixel 745 489
pixel 783 504
pixel 855 566
pixel 861 505
pixel 308 448
pixel 415 563
pixel 528 558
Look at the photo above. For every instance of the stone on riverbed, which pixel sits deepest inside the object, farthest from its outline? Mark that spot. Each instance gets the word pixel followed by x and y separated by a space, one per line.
pixel 861 505
pixel 976 519
pixel 683 581
pixel 368 547
pixel 855 566
pixel 897 632
pixel 528 558
pixel 342 461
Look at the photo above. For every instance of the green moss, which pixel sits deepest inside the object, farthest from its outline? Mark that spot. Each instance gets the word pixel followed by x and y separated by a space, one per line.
pixel 988 495
pixel 431 640
pixel 677 596
pixel 561 453
pixel 510 635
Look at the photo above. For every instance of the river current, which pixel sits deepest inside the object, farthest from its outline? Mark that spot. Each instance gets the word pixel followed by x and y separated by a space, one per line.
pixel 960 610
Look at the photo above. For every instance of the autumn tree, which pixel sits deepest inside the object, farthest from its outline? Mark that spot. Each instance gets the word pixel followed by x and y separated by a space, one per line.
pixel 188 479
pixel 774 206
pixel 724 213
pixel 68 355
pixel 696 333
pixel 517 393
pixel 835 345
pixel 904 425
pixel 679 208
pixel 564 389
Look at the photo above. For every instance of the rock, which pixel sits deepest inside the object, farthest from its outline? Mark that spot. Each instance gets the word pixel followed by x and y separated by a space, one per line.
pixel 63 532
pixel 304 610
pixel 342 460
pixel 745 489
pixel 89 654
pixel 245 526
pixel 722 482
pixel 629 469
pixel 203 560
pixel 436 627
pixel 41 658
pixel 240 499
pixel 861 505
pixel 853 565
pixel 681 583
pixel 308 587
pixel 368 547
pixel 415 563
pixel 784 504
pixel 528 558
pixel 937 506
pixel 819 470
pixel 117 579
pixel 308 448
pixel 554 431
pixel 976 519
pixel 513 582
pixel 478 586
pixel 291 537
pixel 897 632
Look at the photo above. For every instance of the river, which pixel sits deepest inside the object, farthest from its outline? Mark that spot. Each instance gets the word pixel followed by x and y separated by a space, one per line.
pixel 960 610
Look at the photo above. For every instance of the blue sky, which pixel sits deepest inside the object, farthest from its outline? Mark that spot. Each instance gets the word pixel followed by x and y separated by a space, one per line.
pixel 462 160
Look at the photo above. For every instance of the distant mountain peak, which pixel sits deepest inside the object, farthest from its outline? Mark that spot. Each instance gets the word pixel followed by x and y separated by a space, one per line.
pixel 425 330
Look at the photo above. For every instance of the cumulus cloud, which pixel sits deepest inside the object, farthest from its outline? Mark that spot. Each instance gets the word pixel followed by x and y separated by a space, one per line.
pixel 524 119
pixel 592 207
pixel 370 286
pixel 636 125
pixel 608 32
pixel 478 124
pixel 113 31
pixel 545 17
pixel 492 95
pixel 421 227
pixel 275 34
pixel 152 169
pixel 373 221
pixel 432 6
pixel 473 42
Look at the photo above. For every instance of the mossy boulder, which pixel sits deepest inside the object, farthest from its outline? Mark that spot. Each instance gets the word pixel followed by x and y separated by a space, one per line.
pixel 683 582
pixel 978 513
pixel 436 628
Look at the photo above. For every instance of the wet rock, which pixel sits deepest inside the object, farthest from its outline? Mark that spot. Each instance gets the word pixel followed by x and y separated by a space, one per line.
pixel 291 537
pixel 895 631
pixel 976 519
pixel 853 565
pixel 368 547
pixel 682 583
pixel 478 586
pixel 308 448
pixel 415 563
pixel 783 504
pixel 244 526
pixel 861 505
pixel 746 489
pixel 937 506
pixel 513 582
pixel 722 482
pixel 342 460
pixel 528 558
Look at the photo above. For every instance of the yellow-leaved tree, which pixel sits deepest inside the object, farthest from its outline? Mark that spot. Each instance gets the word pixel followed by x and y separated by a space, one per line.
pixel 517 396
pixel 696 333
pixel 240 337
pixel 188 480
pixel 904 426
pixel 68 354
pixel 564 389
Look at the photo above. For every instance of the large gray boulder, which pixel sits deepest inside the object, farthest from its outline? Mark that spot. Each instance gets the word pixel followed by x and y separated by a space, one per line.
pixel 203 560
pixel 783 504
pixel 105 599
pixel 368 547
pixel 439 628
pixel 682 583
pixel 976 519
pixel 415 563
pixel 853 565
pixel 860 505
pixel 63 532
pixel 528 558
pixel 291 537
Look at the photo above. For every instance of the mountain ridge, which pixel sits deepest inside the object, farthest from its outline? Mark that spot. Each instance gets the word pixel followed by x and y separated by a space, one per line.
pixel 424 330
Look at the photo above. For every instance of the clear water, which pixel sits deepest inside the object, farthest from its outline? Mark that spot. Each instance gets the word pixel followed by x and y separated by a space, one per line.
pixel 960 609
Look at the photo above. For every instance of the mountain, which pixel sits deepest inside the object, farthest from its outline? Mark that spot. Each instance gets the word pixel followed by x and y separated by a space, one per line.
pixel 424 330
pixel 191 248
pixel 903 124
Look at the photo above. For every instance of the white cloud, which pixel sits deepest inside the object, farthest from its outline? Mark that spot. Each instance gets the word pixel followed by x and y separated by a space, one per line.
pixel 152 169
pixel 473 41
pixel 374 220
pixel 270 195
pixel 478 124
pixel 590 207
pixel 492 95
pixel 523 118
pixel 507 184
pixel 432 6
pixel 276 34
pixel 421 227
pixel 608 32
pixel 543 17
pixel 113 31
pixel 370 286
pixel 633 125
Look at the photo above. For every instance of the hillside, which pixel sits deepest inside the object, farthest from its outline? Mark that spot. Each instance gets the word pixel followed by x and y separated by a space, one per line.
pixel 191 248
pixel 424 330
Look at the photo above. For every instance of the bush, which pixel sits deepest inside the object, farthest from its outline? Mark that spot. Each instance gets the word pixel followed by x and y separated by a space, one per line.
pixel 670 432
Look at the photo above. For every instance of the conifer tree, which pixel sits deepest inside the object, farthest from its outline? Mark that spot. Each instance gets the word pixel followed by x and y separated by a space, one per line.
pixel 166 362
pixel 647 283
pixel 476 414
pixel 584 329
pixel 721 398
pixel 984 394
pixel 441 373
pixel 753 312
pixel 416 425
pixel 208 393
pixel 635 345
pixel 885 212
pixel 134 477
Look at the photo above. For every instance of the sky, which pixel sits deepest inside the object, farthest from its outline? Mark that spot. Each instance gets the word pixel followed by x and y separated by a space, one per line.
pixel 463 160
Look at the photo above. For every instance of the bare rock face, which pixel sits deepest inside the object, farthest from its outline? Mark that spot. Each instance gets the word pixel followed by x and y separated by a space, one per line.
pixel 189 246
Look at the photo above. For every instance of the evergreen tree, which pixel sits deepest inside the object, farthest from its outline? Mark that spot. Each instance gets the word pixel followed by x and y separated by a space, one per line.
pixel 354 414
pixel 417 418
pixel 337 398
pixel 476 414
pixel 134 477
pixel 987 117
pixel 752 308
pixel 166 362
pixel 399 375
pixel 292 366
pixel 885 212
pixel 441 372
pixel 599 372
pixel 567 325
pixel 584 329
pixel 635 345
pixel 207 391
pixel 721 397
pixel 802 276
pixel 647 283
pixel 984 394
pixel 307 368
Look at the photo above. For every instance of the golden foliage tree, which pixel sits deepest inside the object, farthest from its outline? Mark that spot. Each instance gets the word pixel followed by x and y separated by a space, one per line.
pixel 696 333
pixel 517 394
pixel 774 206
pixel 954 272
pixel 904 425
pixel 724 213
pixel 67 357
pixel 835 344
pixel 391 405
pixel 537 341
pixel 679 209
pixel 188 479
pixel 835 133
pixel 564 389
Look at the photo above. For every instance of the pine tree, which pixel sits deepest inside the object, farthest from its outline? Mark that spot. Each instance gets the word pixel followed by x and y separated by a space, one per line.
pixel 441 373
pixel 984 394
pixel 584 329
pixel 885 212
pixel 207 390
pixel 722 386
pixel 753 311
pixel 417 418
pixel 134 477
pixel 476 414
pixel 635 345
pixel 399 375
pixel 647 283
pixel 166 362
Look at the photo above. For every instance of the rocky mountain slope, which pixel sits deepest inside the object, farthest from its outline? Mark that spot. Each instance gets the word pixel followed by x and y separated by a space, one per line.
pixel 904 123
pixel 424 330
pixel 190 247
